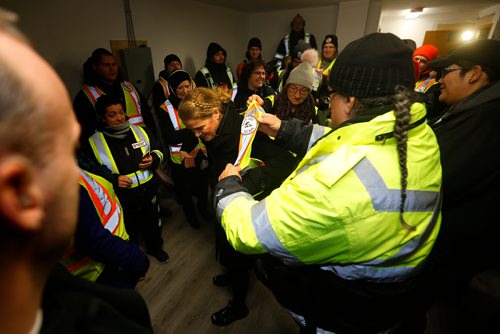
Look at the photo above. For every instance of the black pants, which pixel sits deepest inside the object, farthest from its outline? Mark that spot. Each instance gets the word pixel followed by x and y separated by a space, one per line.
pixel 143 219
pixel 190 182
pixel 237 266
pixel 335 304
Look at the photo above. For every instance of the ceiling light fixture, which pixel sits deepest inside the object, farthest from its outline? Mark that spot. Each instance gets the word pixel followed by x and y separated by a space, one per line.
pixel 414 13
pixel 467 35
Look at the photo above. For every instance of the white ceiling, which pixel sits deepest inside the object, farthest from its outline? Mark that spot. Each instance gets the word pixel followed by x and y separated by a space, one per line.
pixel 388 6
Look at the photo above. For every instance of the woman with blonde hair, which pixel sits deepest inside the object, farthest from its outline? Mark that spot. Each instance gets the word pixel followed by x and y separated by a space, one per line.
pixel 211 115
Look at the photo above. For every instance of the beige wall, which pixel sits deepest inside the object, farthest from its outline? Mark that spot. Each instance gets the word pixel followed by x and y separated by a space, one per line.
pixel 65 32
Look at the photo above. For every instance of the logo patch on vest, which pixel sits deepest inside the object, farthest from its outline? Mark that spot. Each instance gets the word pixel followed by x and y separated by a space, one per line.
pixel 139 144
pixel 249 125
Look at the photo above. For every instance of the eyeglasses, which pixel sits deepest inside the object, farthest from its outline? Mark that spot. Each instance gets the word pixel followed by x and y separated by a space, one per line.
pixel 294 89
pixel 447 70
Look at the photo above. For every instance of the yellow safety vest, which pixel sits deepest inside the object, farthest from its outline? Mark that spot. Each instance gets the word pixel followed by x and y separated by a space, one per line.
pixel 175 150
pixel 110 213
pixel 423 85
pixel 212 85
pixel 105 157
pixel 132 101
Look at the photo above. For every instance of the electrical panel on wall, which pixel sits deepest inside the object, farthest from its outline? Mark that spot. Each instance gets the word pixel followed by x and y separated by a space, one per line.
pixel 137 67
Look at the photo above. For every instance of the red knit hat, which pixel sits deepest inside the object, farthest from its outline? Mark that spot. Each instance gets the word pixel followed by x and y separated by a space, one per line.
pixel 429 51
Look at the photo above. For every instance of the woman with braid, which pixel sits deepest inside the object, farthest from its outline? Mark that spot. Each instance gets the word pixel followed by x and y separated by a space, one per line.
pixel 344 238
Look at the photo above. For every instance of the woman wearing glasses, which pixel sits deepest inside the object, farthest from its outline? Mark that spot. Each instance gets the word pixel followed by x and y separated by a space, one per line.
pixel 296 100
pixel 252 81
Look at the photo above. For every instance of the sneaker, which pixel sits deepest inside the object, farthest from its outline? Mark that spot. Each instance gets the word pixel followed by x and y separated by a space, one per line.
pixel 159 255
pixel 229 314
pixel 222 280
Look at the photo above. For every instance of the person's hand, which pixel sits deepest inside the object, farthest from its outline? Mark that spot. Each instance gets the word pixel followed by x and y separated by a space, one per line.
pixel 188 159
pixel 146 161
pixel 230 170
pixel 269 124
pixel 255 97
pixel 124 181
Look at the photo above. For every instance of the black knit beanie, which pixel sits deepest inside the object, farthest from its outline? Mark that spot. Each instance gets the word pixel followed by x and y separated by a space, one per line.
pixel 170 58
pixel 331 39
pixel 177 77
pixel 373 66
pixel 213 48
pixel 299 49
pixel 254 41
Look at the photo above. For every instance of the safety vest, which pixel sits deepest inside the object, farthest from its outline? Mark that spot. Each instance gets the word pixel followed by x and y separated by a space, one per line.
pixel 212 85
pixel 110 214
pixel 340 207
pixel 105 157
pixel 286 41
pixel 164 86
pixel 132 100
pixel 175 150
pixel 423 85
pixel 326 71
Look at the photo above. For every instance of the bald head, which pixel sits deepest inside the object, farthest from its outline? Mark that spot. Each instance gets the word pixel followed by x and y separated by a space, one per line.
pixel 38 135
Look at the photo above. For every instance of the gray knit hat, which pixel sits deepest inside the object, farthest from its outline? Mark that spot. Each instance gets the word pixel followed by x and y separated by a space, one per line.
pixel 303 75
pixel 373 66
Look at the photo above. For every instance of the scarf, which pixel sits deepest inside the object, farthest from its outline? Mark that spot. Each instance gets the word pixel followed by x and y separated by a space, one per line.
pixel 119 131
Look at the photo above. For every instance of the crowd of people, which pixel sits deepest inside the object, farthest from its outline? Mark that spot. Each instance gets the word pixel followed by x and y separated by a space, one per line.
pixel 364 197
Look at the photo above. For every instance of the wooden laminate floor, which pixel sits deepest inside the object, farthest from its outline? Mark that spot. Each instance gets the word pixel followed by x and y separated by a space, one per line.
pixel 181 296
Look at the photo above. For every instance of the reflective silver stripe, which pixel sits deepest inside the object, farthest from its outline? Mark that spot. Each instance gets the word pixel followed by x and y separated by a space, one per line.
pixel 307 37
pixel 98 190
pixel 101 146
pixel 208 77
pixel 139 177
pixel 135 120
pixel 159 154
pixel 287 47
pixel 94 93
pixel 175 148
pixel 142 136
pixel 172 114
pixel 113 220
pixel 267 237
pixel 230 75
pixel 235 91
pixel 223 203
pixel 317 132
pixel 388 200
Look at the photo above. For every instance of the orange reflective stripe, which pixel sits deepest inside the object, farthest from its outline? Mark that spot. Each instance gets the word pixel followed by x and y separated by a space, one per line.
pixel 93 93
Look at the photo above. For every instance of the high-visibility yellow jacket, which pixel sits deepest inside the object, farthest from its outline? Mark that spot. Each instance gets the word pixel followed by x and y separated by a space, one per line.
pixel 340 207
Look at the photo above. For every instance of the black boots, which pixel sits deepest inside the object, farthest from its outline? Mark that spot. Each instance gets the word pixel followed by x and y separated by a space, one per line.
pixel 229 314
